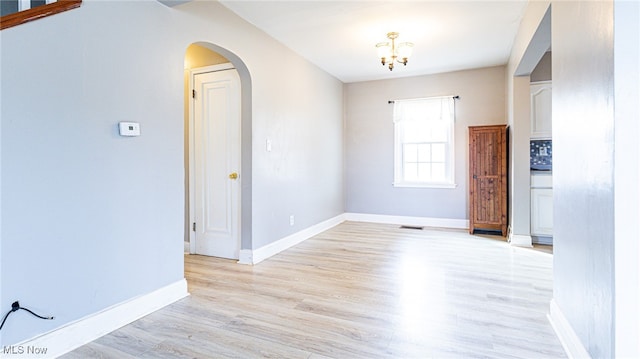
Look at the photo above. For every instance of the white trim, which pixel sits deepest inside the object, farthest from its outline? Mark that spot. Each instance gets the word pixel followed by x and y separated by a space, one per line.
pixel 187 247
pixel 245 257
pixel 211 68
pixel 248 256
pixel 172 3
pixel 542 240
pixel 520 240
pixel 543 82
pixel 24 5
pixel 192 175
pixel 413 221
pixel 92 327
pixel 424 185
pixel 568 338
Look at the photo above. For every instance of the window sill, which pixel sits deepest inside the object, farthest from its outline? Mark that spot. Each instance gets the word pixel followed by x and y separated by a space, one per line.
pixel 425 185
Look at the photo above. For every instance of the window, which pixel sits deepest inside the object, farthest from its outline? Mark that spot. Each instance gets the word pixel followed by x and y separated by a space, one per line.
pixel 16 12
pixel 424 142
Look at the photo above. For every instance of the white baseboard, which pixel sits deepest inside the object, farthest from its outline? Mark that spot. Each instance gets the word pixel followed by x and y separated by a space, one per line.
pixel 187 247
pixel 520 240
pixel 248 256
pixel 245 256
pixel 90 328
pixel 542 240
pixel 411 221
pixel 568 338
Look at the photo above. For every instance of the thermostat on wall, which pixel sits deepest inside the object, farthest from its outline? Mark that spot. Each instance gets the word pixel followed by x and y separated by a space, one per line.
pixel 129 128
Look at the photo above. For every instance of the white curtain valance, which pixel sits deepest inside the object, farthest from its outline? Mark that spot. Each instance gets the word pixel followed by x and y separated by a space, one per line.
pixel 424 109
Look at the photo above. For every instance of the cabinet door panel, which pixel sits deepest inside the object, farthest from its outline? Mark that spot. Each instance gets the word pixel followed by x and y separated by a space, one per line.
pixel 488 200
pixel 542 211
pixel 487 170
pixel 541 110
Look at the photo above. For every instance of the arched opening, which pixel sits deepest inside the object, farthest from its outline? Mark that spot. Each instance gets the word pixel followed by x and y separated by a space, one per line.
pixel 201 55
pixel 520 136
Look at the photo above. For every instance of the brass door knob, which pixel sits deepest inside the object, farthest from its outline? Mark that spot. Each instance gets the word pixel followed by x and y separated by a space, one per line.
pixel 233 176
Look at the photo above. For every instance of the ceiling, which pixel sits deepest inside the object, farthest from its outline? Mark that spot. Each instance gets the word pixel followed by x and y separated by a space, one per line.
pixel 340 36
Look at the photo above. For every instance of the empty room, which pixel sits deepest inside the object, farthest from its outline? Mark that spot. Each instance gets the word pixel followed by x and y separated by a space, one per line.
pixel 319 179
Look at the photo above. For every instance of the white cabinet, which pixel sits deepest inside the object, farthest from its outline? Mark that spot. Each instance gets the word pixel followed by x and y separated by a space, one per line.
pixel 542 207
pixel 541 110
pixel 542 212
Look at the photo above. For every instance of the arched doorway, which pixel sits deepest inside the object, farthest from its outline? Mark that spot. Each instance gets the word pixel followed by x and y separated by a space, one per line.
pixel 199 58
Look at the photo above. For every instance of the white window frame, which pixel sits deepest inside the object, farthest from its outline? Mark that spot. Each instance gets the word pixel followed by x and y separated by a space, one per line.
pixel 399 128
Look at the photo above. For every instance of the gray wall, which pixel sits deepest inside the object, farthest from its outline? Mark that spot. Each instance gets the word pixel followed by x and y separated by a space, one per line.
pixel 91 219
pixel 529 46
pixel 542 72
pixel 369 140
pixel 583 140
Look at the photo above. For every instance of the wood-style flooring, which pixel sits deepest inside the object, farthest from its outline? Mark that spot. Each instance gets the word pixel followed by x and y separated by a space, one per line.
pixel 358 290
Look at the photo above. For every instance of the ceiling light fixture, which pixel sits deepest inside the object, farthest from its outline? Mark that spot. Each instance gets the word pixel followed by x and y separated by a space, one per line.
pixel 389 53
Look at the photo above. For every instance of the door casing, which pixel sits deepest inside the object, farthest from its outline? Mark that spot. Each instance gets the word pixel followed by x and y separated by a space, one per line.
pixel 192 170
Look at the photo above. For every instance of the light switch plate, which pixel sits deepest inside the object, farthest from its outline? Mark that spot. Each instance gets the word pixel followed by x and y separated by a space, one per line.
pixel 129 128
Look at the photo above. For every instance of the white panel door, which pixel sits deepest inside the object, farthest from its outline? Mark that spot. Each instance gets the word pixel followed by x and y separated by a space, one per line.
pixel 217 163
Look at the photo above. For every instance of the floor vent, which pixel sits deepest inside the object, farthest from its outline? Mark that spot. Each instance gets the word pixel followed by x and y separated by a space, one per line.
pixel 412 227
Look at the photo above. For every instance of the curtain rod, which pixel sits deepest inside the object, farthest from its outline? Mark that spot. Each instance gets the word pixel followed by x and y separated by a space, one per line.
pixel 456 97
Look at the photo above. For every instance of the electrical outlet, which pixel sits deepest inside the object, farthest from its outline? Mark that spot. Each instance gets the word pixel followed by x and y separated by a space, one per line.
pixel 292 220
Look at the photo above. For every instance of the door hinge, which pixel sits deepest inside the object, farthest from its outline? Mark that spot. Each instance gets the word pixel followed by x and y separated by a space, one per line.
pixel 194 226
pixel 193 93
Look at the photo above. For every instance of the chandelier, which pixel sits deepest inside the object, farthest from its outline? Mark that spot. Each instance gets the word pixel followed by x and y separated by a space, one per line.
pixel 389 52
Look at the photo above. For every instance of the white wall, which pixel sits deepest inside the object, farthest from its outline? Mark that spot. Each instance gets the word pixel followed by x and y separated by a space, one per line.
pixel 627 178
pixel 369 140
pixel 583 174
pixel 91 219
pixel 604 316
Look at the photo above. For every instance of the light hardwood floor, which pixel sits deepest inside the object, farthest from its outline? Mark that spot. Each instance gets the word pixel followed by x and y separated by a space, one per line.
pixel 356 291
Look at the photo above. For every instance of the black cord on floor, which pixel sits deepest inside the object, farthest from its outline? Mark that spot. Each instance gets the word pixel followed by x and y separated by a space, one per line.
pixel 5 319
pixel 15 306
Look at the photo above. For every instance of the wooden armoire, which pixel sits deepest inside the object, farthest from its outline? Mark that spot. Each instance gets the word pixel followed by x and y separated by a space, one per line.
pixel 488 179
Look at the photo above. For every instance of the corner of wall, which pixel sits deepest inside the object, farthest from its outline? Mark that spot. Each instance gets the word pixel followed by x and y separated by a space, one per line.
pixel 567 336
pixel 520 240
pixel 249 256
